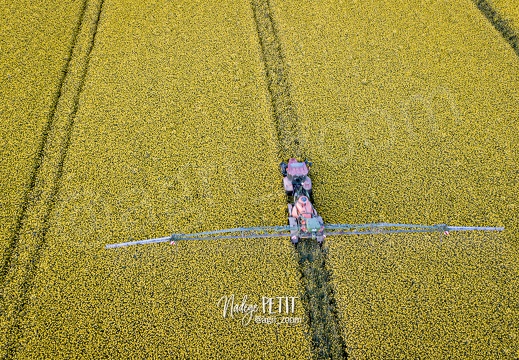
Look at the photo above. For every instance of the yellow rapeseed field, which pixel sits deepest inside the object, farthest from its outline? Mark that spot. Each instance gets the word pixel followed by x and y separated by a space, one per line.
pixel 174 133
pixel 408 111
pixel 35 41
pixel 424 296
pixel 410 115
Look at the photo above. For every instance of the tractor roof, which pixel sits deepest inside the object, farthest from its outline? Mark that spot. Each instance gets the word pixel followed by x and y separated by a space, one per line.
pixel 296 168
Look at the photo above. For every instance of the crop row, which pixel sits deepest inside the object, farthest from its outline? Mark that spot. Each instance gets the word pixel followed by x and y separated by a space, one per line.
pixel 166 139
pixel 409 116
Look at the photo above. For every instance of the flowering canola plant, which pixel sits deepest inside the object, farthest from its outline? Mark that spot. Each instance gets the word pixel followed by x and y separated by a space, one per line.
pixel 399 110
pixel 403 114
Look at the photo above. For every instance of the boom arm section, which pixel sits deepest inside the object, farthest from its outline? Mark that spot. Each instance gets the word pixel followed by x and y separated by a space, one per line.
pixel 389 228
pixel 236 233
pixel 284 231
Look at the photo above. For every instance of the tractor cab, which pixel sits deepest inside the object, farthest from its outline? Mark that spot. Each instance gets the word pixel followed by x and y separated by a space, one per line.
pixel 295 177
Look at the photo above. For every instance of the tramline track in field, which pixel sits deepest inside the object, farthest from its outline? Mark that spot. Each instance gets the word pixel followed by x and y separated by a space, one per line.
pixel 20 266
pixel 36 169
pixel 277 80
pixel 499 23
pixel 318 295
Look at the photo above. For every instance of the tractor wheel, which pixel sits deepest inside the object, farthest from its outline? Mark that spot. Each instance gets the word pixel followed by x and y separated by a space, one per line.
pixel 283 168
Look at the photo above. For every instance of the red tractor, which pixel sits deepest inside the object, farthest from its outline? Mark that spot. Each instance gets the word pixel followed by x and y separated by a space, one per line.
pixel 303 219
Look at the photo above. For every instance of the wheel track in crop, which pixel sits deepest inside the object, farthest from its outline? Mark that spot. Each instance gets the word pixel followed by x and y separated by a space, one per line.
pixel 318 296
pixel 13 241
pixel 27 244
pixel 499 23
pixel 277 80
pixel 319 300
